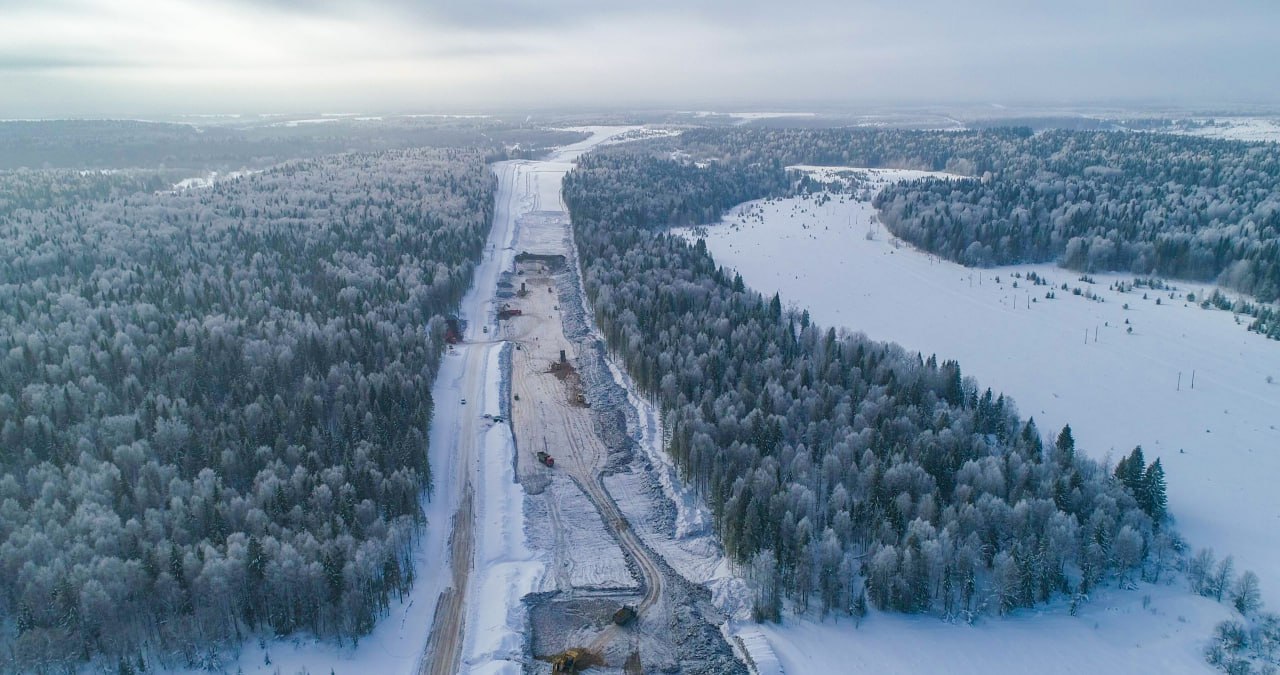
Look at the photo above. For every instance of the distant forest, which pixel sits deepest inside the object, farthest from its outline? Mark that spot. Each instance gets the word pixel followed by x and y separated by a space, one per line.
pixel 126 144
pixel 214 403
pixel 1177 206
pixel 840 470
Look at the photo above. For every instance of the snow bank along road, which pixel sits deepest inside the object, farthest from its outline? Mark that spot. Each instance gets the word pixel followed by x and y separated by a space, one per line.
pixel 456 462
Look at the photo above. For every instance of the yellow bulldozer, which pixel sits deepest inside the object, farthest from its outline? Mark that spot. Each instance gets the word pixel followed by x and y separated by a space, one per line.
pixel 573 661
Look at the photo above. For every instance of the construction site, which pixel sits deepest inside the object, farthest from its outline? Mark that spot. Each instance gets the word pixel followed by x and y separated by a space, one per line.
pixel 570 546
pixel 609 603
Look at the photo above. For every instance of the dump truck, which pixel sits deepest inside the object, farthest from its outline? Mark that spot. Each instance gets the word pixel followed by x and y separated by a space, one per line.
pixel 547 460
pixel 625 615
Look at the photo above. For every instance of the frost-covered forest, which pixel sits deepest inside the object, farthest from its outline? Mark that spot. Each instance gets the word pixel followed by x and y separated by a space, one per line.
pixel 1175 206
pixel 35 190
pixel 118 144
pixel 841 470
pixel 213 404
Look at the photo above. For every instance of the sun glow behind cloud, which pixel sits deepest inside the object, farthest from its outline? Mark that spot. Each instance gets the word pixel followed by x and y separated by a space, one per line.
pixel 179 50
pixel 95 56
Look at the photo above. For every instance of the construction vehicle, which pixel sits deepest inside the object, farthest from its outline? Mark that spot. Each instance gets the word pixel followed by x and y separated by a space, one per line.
pixel 547 460
pixel 625 615
pixel 571 660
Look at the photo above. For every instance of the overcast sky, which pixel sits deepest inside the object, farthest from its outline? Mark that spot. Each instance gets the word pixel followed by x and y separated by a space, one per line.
pixel 83 57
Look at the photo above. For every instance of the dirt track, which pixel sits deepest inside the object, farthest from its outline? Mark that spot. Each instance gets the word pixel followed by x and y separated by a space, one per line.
pixel 548 416
pixel 444 646
pixel 442 654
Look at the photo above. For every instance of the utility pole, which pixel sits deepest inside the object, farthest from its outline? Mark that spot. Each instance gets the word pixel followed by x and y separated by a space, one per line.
pixel 1193 379
pixel 1179 380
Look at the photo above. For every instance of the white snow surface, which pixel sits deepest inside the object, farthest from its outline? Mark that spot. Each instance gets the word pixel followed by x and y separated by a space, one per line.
pixel 504 569
pixel 210 179
pixel 1219 442
pixel 1114 633
pixel 1237 129
pixel 594 559
pixel 745 117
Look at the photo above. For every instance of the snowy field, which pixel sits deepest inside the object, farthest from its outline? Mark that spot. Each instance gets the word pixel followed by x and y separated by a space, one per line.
pixel 209 179
pixel 1115 633
pixel 1238 129
pixel 1064 360
pixel 745 117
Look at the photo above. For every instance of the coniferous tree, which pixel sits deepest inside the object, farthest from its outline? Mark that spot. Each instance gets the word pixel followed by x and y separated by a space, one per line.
pixel 1154 496
pixel 1066 445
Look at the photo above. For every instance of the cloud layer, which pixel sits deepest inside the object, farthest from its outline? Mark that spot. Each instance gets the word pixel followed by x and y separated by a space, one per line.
pixel 77 57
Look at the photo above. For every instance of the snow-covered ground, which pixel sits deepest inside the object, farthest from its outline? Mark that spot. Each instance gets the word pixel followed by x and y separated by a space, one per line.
pixel 1064 360
pixel 1236 129
pixel 197 182
pixel 592 559
pixel 1115 633
pixel 643 133
pixel 504 569
pixel 744 117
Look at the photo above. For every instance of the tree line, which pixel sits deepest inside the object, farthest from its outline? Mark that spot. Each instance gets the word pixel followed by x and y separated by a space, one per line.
pixel 840 470
pixel 125 144
pixel 1177 206
pixel 214 405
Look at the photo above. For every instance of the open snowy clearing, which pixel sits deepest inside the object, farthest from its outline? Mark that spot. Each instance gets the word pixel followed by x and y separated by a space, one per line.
pixel 1064 360
pixel 1115 633
pixel 209 179
pixel 745 117
pixel 1236 129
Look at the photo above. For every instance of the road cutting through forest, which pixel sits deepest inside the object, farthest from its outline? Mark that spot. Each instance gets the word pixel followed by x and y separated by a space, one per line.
pixel 596 561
